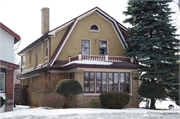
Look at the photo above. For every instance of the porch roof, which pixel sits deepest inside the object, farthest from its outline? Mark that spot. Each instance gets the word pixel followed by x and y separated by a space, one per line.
pixel 8 64
pixel 108 65
pixel 65 65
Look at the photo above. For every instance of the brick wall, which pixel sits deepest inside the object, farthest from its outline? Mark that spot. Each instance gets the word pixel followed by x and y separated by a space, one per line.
pixel 83 101
pixel 9 90
pixel 33 95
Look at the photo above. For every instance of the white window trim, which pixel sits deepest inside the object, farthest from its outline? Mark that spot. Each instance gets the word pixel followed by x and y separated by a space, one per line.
pixel 45 57
pixel 94 30
pixel 4 83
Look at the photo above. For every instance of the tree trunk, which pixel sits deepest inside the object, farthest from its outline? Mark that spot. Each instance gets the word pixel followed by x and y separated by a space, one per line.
pixel 152 106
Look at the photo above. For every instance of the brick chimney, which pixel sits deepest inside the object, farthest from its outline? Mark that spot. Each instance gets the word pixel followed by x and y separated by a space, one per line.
pixel 44 20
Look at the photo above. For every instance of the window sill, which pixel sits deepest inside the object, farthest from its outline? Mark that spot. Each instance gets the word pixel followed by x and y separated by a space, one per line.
pixel 98 94
pixel 91 94
pixel 45 57
pixel 97 31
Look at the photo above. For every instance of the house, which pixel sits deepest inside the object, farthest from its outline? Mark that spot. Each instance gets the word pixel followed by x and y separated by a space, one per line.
pixel 90 49
pixel 7 40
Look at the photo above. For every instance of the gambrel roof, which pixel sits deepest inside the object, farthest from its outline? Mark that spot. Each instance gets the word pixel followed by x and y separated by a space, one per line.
pixel 71 24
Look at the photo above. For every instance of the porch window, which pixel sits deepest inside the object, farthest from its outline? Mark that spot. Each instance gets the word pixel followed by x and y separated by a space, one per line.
pixel 125 82
pixel 2 82
pixel 101 82
pixel 106 82
pixel 102 47
pixel 85 47
pixel 113 82
pixel 89 82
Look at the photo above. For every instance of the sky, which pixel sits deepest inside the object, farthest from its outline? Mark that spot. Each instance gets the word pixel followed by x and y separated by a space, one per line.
pixel 24 16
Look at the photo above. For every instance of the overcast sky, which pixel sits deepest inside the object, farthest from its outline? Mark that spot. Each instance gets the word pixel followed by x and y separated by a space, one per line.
pixel 24 16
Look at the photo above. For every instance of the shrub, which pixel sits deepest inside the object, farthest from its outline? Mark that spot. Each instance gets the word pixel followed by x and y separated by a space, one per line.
pixel 53 100
pixel 69 88
pixel 93 103
pixel 152 90
pixel 114 100
pixel 2 101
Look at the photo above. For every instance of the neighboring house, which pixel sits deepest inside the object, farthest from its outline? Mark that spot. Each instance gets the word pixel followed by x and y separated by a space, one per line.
pixel 90 49
pixel 7 40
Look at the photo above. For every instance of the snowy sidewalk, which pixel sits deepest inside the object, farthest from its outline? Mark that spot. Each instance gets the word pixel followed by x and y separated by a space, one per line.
pixel 23 112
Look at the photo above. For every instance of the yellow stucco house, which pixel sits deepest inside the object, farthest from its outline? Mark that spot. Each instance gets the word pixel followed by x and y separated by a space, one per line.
pixel 90 49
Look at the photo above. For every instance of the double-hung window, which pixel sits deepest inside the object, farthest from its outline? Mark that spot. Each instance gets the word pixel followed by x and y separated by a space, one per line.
pixel 36 59
pixel 30 57
pixel 2 82
pixel 46 48
pixel 89 82
pixel 85 47
pixel 102 47
pixel 23 60
pixel 71 75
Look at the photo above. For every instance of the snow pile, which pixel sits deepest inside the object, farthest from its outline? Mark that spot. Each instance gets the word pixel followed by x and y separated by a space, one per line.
pixel 23 112
pixel 162 104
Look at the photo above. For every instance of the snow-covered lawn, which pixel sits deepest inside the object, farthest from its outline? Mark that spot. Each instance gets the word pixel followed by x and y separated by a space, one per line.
pixel 24 112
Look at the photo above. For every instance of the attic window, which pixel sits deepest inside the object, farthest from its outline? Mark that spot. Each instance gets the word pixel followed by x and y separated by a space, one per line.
pixel 94 27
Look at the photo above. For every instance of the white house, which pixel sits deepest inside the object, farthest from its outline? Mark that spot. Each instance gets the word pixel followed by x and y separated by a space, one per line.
pixel 7 40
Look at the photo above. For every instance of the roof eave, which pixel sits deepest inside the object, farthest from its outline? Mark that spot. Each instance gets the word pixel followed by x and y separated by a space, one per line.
pixel 33 44
pixel 15 35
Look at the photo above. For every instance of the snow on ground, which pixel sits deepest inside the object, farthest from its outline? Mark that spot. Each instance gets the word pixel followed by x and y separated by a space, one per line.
pixel 24 112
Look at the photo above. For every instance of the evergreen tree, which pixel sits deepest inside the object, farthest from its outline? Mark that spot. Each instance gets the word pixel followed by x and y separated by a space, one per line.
pixel 154 44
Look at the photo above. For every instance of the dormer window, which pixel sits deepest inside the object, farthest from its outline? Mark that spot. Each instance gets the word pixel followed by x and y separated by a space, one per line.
pixel 94 28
